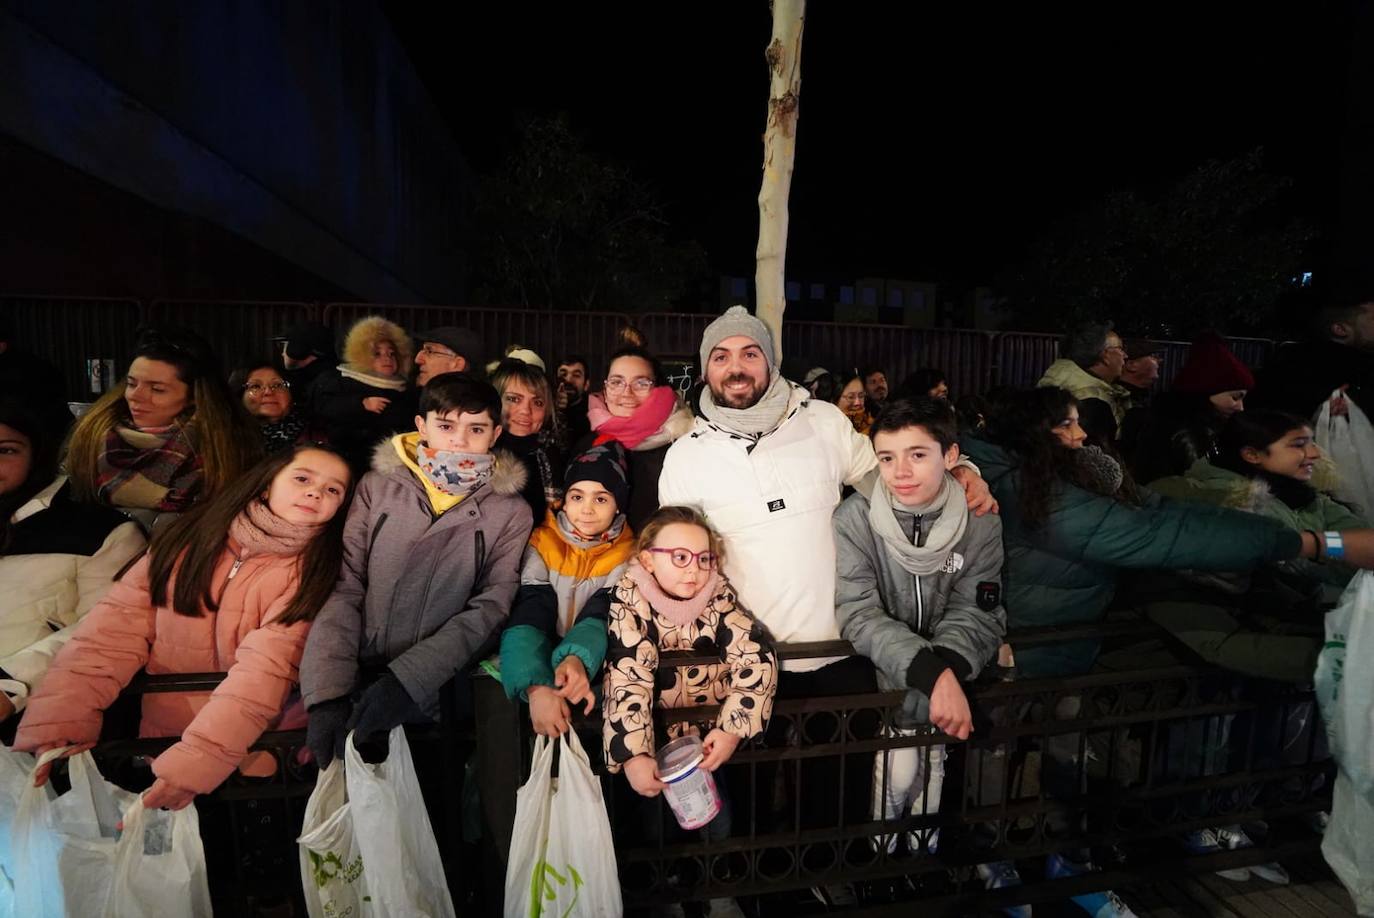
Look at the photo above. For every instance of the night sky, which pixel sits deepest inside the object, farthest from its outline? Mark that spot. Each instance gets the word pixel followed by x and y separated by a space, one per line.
pixel 934 144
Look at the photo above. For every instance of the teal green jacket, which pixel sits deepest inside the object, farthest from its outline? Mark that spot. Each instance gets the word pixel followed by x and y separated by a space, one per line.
pixel 1064 572
pixel 561 607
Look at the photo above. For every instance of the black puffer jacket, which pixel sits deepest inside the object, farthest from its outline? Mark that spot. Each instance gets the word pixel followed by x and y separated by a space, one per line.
pixel 1178 431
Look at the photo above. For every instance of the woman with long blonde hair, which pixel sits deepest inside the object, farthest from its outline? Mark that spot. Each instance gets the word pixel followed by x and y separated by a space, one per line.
pixel 166 436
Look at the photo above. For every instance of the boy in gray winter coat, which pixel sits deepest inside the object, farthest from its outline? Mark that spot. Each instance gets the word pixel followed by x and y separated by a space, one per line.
pixel 432 550
pixel 919 592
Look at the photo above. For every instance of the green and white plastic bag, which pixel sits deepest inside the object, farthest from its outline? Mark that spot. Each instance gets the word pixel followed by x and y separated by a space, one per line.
pixel 1345 683
pixel 1348 844
pixel 331 864
pixel 1345 691
pixel 562 858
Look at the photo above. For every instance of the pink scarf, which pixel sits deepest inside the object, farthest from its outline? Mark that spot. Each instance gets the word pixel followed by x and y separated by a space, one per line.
pixel 259 531
pixel 681 612
pixel 646 421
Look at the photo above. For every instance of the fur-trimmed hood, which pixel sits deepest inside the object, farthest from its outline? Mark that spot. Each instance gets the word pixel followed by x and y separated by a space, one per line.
pixel 357 349
pixel 1211 484
pixel 508 475
pixel 1226 488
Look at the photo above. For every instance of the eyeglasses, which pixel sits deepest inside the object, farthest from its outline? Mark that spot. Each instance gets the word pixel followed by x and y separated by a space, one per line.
pixel 640 384
pixel 256 389
pixel 681 557
pixel 431 351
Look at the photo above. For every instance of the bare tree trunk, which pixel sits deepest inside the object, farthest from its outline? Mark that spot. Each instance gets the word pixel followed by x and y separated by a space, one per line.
pixel 779 153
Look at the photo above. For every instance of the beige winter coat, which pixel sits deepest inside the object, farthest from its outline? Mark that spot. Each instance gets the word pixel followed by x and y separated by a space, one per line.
pixel 63 558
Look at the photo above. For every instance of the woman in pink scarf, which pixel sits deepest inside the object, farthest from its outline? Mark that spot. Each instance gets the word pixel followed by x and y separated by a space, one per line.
pixel 636 409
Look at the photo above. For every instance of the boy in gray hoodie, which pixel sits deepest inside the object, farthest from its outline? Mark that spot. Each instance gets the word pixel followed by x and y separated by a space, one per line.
pixel 919 592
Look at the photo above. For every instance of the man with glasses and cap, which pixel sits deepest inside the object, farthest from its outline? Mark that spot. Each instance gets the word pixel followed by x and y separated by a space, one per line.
pixel 448 350
pixel 1140 372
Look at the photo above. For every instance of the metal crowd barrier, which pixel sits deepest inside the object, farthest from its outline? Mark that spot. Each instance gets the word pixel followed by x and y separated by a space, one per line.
pixel 70 331
pixel 250 825
pixel 1118 763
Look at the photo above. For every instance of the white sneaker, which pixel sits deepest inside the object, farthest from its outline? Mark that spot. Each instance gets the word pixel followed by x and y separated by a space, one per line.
pixel 913 841
pixel 1000 875
pixel 1113 907
pixel 1234 838
pixel 1105 904
pixel 1204 841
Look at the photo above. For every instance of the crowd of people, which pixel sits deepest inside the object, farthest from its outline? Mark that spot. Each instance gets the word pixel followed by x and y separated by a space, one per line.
pixel 343 532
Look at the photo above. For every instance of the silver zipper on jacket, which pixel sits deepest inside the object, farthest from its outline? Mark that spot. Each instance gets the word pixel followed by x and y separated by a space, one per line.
pixel 920 607
pixel 234 569
pixel 920 600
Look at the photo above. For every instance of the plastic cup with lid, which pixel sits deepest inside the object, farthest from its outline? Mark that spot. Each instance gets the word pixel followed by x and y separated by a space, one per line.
pixel 691 791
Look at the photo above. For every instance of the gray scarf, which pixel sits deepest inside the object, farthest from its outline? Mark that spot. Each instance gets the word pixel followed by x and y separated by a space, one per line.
pixel 573 537
pixel 763 417
pixel 934 556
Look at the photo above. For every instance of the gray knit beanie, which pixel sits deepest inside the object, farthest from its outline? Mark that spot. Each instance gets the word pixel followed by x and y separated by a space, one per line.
pixel 738 321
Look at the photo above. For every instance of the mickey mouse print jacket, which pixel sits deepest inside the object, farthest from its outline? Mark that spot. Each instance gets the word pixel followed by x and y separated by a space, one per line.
pixel 743 684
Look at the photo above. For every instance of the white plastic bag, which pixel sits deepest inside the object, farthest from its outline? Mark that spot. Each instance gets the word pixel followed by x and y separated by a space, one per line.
pixel 159 867
pixel 530 833
pixel 405 876
pixel 1348 844
pixel 15 771
pixel 1346 693
pixel 70 860
pixel 562 857
pixel 1349 442
pixel 331 864
pixel 64 847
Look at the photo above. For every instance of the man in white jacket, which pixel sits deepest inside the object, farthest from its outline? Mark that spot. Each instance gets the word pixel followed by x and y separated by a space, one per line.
pixel 765 463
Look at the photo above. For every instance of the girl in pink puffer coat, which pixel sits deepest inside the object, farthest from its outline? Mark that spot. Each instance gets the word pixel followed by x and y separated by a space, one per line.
pixel 229 587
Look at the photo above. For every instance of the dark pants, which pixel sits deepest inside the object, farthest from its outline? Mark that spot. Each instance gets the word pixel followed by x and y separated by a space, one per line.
pixel 822 792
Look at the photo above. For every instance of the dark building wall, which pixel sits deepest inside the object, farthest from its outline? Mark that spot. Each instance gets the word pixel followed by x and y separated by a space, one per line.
pixel 299 126
pixel 68 234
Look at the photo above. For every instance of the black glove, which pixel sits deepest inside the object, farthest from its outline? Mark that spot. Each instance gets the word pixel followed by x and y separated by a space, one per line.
pixel 384 706
pixel 328 729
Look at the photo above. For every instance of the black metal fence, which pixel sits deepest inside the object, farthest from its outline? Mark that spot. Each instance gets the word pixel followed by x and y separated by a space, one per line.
pixel 1119 764
pixel 249 825
pixel 71 330
pixel 1116 765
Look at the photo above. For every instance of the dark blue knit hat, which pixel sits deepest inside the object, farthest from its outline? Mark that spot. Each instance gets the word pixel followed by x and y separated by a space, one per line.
pixel 605 465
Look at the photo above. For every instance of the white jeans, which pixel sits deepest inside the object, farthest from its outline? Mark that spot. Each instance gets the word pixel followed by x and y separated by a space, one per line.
pixel 909 780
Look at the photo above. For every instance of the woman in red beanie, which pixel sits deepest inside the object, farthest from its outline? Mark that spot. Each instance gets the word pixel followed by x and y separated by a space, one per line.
pixel 1183 423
